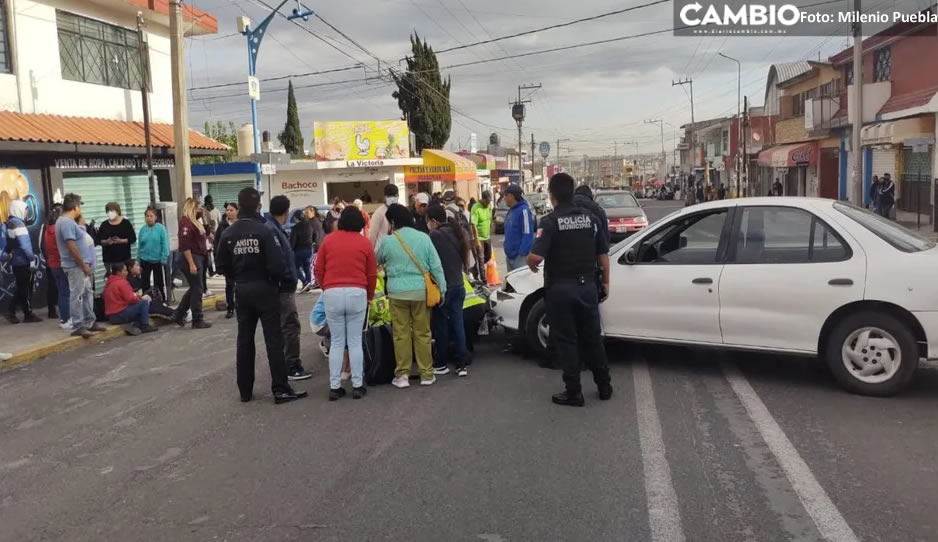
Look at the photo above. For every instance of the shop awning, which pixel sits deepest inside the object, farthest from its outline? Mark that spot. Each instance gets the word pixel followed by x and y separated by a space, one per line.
pixel 482 161
pixel 440 166
pixel 27 127
pixel 799 154
pixel 895 132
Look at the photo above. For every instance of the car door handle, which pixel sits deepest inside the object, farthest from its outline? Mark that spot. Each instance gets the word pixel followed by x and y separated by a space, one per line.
pixel 702 280
pixel 840 282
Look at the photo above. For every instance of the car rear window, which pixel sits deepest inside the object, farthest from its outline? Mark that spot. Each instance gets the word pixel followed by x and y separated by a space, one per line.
pixel 899 237
pixel 622 199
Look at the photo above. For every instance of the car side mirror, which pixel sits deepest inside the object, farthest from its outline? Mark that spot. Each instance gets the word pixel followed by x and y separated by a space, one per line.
pixel 630 257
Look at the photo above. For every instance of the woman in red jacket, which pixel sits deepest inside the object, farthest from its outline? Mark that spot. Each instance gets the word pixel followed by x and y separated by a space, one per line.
pixel 57 286
pixel 346 270
pixel 122 305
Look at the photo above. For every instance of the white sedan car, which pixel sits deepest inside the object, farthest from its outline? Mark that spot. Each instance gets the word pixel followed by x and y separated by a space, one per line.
pixel 798 276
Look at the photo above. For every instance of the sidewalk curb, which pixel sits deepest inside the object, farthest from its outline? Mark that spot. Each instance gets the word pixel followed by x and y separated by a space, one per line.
pixel 67 343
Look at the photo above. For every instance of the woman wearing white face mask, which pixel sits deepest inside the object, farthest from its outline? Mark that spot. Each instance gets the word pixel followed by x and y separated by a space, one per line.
pixel 116 235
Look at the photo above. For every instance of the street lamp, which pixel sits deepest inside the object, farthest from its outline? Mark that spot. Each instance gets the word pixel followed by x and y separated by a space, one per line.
pixel 254 37
pixel 739 120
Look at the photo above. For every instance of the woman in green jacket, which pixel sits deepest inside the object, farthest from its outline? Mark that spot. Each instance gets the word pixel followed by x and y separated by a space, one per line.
pixel 406 289
pixel 153 253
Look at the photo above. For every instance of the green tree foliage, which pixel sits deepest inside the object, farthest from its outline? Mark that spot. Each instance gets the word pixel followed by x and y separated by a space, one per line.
pixel 423 97
pixel 221 133
pixel 292 136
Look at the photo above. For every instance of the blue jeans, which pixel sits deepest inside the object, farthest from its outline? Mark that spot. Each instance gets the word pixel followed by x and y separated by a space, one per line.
pixel 345 313
pixel 304 260
pixel 61 284
pixel 517 263
pixel 449 333
pixel 139 314
pixel 81 298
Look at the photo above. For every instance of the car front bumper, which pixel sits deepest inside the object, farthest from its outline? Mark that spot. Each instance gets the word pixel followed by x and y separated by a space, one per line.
pixel 507 308
pixel 929 322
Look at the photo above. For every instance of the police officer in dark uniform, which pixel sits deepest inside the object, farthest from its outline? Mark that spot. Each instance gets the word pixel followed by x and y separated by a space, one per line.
pixel 250 256
pixel 573 249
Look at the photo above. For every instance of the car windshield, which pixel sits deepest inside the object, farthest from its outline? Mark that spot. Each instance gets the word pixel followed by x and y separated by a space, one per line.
pixel 620 199
pixel 887 230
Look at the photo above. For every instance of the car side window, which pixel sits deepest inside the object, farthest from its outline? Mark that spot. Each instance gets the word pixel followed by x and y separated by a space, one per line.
pixel 691 240
pixel 775 235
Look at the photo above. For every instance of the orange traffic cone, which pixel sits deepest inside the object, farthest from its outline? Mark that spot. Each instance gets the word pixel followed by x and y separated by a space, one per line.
pixel 491 272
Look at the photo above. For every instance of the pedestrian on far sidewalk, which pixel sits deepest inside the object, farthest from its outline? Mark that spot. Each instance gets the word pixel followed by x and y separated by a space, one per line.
pixel 874 193
pixel 56 283
pixel 887 196
pixel 248 253
pixel 153 251
pixel 72 241
pixel 519 228
pixel 346 269
pixel 289 320
pixel 19 250
pixel 191 260
pixel 231 214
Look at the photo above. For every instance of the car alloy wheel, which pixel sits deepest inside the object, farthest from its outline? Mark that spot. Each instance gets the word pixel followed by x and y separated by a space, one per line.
pixel 871 355
pixel 543 331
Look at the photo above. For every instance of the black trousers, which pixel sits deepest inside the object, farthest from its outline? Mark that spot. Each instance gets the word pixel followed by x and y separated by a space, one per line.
pixel 230 293
pixel 259 301
pixel 192 299
pixel 576 332
pixel 159 277
pixel 291 328
pixel 52 294
pixel 24 290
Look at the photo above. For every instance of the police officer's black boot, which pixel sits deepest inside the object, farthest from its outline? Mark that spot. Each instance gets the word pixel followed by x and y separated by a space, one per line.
pixel 281 397
pixel 569 399
pixel 605 392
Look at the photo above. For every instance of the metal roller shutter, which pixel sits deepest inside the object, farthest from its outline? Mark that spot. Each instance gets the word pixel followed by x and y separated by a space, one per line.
pixel 884 161
pixel 227 191
pixel 129 191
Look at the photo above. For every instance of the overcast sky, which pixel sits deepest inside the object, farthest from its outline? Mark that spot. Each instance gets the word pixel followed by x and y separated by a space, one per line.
pixel 594 96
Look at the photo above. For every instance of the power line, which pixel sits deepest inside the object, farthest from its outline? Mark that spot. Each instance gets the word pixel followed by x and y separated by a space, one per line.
pixel 554 26
pixel 281 77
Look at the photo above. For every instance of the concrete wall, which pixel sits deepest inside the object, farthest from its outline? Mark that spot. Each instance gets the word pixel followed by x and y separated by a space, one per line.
pixel 39 72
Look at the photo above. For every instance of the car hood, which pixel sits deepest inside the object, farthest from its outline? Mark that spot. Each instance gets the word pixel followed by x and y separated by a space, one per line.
pixel 624 212
pixel 524 281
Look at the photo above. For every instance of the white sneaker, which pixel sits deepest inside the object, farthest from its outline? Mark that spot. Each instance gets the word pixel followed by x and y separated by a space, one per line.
pixel 441 370
pixel 462 371
pixel 67 326
pixel 4 356
pixel 188 316
pixel 430 382
pixel 401 382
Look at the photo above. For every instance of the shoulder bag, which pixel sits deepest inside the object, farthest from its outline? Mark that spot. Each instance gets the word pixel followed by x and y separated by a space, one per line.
pixel 433 289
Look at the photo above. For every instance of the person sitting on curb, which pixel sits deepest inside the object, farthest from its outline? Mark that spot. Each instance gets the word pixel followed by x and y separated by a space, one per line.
pixel 158 306
pixel 122 305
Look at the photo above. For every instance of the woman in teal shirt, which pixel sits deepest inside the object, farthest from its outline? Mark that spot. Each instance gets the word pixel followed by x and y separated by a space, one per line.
pixel 406 290
pixel 153 252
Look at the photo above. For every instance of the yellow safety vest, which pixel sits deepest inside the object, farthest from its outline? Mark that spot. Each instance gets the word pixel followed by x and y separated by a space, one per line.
pixel 472 298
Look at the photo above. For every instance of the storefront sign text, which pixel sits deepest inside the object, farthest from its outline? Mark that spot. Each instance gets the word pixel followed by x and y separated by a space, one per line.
pixel 429 170
pixel 298 185
pixel 112 163
pixel 364 163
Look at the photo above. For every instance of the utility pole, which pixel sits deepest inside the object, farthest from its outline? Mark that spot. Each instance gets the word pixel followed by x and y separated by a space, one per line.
pixel 532 158
pixel 177 44
pixel 739 120
pixel 517 113
pixel 856 103
pixel 254 38
pixel 693 127
pixel 144 59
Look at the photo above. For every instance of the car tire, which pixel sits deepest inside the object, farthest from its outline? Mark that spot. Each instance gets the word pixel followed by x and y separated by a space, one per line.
pixel 534 340
pixel 887 338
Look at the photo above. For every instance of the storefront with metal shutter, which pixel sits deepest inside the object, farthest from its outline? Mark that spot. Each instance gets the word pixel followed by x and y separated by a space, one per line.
pixel 129 190
pixel 223 192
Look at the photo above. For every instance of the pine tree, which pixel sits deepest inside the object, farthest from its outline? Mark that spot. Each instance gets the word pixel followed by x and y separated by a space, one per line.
pixel 423 97
pixel 292 136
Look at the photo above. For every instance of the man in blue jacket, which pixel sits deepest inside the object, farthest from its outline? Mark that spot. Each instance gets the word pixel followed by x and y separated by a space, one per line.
pixel 519 228
pixel 19 249
pixel 289 319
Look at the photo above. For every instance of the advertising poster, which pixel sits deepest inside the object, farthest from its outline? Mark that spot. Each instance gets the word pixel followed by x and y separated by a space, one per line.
pixel 365 140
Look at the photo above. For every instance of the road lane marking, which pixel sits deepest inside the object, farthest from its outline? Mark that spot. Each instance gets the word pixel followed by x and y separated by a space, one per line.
pixel 830 523
pixel 664 516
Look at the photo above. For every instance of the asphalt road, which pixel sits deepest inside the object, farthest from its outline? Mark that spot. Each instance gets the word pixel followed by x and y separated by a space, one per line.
pixel 145 439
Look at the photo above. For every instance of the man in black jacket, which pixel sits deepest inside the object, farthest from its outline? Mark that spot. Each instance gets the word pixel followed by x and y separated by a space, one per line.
pixel 289 319
pixel 583 197
pixel 250 254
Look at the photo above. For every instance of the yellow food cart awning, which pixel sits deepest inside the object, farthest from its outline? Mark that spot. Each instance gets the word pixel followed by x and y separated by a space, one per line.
pixel 440 166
